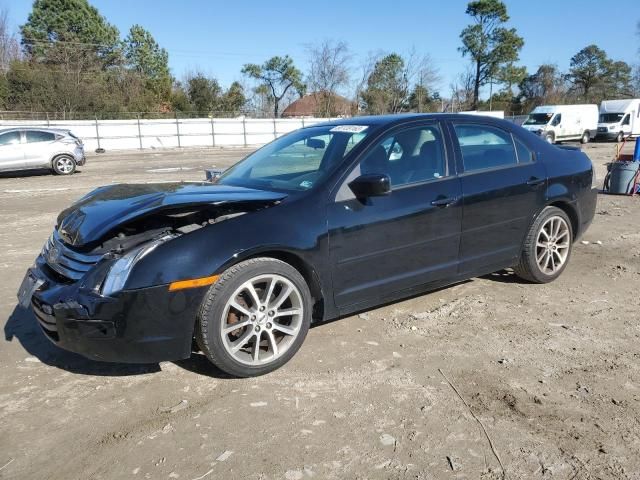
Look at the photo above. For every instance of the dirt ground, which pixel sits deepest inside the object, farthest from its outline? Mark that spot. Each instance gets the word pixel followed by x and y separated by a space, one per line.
pixel 550 372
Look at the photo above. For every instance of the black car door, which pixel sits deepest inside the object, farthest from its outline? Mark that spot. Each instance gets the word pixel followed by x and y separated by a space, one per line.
pixel 385 244
pixel 503 186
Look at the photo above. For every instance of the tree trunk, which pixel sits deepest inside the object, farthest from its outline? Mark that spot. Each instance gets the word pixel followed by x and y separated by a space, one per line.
pixel 275 108
pixel 476 88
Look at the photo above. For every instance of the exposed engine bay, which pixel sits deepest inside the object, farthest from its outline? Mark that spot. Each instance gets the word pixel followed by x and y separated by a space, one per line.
pixel 178 222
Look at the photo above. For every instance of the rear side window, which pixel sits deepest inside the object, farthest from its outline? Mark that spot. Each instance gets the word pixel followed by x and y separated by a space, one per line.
pixel 485 147
pixel 38 136
pixel 524 154
pixel 10 138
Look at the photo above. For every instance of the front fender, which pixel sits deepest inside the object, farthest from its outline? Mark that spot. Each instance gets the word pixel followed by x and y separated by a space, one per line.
pixel 213 248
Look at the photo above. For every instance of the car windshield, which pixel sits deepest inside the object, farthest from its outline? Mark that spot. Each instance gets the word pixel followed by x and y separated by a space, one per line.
pixel 538 119
pixel 297 161
pixel 611 117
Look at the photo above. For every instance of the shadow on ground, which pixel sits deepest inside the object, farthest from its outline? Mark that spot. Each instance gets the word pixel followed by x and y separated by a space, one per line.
pixel 40 172
pixel 23 326
pixel 198 363
pixel 504 276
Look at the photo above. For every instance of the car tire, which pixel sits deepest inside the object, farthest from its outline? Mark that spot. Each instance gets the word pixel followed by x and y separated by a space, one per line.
pixel 586 136
pixel 231 301
pixel 620 137
pixel 550 138
pixel 63 165
pixel 547 247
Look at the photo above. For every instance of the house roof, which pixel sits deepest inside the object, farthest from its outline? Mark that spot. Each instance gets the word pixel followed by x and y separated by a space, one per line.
pixel 313 104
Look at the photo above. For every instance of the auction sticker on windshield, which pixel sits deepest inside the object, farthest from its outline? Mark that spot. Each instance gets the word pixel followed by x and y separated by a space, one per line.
pixel 349 128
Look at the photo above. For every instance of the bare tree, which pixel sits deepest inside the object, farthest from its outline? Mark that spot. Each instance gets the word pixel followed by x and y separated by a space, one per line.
pixel 329 63
pixel 636 70
pixel 9 45
pixel 462 91
pixel 365 69
pixel 421 69
pixel 393 80
pixel 422 75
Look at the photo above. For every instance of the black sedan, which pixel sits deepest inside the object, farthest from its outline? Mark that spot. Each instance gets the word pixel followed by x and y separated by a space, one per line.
pixel 322 222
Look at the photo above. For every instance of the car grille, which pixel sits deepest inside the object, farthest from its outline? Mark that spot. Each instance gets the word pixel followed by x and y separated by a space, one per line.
pixel 66 262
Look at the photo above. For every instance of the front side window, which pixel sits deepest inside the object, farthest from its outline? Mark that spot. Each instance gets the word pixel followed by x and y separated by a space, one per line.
pixel 626 120
pixel 408 156
pixel 10 138
pixel 39 136
pixel 557 120
pixel 485 147
pixel 298 161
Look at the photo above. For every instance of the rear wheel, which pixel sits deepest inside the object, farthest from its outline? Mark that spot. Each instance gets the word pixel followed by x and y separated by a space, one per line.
pixel 547 247
pixel 63 165
pixel 586 136
pixel 255 317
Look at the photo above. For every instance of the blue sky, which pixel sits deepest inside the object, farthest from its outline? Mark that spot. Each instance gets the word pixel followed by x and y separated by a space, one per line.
pixel 218 37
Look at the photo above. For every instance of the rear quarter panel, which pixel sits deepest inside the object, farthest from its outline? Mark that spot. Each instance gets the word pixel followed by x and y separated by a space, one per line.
pixel 570 174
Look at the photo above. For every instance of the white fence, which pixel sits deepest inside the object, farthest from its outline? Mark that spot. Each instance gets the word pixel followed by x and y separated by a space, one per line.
pixel 180 132
pixel 171 133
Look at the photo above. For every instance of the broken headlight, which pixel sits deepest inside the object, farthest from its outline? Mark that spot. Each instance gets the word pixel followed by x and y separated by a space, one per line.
pixel 121 268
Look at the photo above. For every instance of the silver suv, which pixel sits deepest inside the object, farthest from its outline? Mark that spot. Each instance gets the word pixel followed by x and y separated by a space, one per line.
pixel 29 148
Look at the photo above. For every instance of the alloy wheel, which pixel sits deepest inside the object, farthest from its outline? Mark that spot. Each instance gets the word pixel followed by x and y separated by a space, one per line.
pixel 262 319
pixel 64 165
pixel 552 245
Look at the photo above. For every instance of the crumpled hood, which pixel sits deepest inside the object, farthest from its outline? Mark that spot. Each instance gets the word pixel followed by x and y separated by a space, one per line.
pixel 106 208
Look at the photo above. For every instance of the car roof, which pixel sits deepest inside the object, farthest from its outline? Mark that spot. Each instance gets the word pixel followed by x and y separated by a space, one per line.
pixel 40 129
pixel 399 118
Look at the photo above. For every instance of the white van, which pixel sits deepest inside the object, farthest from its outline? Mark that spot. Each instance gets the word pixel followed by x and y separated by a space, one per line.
pixel 619 119
pixel 557 123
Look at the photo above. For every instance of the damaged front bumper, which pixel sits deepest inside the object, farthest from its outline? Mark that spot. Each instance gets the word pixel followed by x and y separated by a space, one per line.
pixel 145 325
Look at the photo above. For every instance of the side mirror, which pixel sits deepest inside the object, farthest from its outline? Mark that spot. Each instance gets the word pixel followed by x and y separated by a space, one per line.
pixel 371 185
pixel 212 174
pixel 316 143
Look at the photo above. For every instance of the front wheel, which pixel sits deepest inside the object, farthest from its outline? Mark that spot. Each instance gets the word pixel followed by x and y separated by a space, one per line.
pixel 547 247
pixel 620 137
pixel 255 317
pixel 63 165
pixel 586 136
pixel 550 138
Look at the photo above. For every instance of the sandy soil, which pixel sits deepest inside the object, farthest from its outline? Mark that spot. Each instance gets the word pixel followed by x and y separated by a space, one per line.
pixel 549 372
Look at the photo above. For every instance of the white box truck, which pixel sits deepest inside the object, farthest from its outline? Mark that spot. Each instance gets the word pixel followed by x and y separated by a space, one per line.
pixel 619 119
pixel 493 113
pixel 557 123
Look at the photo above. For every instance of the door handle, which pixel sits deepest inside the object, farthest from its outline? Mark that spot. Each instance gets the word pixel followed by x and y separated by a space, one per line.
pixel 444 202
pixel 534 181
